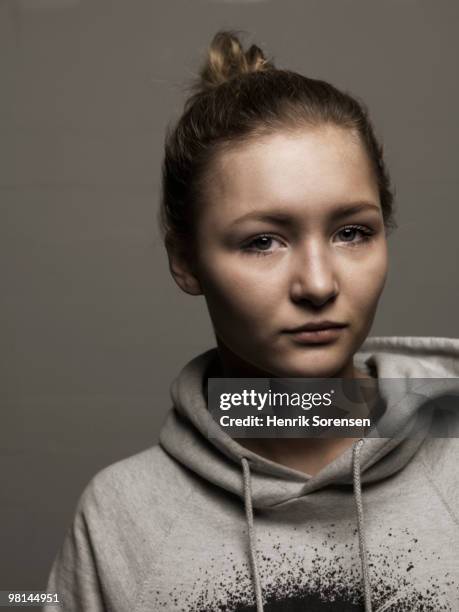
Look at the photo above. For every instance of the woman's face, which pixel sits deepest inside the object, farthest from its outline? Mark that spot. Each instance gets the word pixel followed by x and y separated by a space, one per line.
pixel 291 233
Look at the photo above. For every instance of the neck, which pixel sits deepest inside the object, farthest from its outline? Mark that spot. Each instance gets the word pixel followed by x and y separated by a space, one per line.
pixel 308 455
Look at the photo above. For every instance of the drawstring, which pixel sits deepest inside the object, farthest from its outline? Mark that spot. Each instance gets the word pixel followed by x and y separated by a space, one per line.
pixel 360 527
pixel 360 524
pixel 249 517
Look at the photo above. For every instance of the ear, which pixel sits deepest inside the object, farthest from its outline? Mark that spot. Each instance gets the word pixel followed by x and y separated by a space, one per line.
pixel 181 267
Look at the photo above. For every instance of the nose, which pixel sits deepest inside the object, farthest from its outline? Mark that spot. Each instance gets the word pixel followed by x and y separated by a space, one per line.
pixel 313 276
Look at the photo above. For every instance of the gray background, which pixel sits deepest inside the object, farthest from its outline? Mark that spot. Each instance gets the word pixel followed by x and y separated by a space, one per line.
pixel 92 327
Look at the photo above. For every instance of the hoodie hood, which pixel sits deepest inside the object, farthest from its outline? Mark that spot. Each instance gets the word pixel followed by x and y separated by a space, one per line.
pixel 218 459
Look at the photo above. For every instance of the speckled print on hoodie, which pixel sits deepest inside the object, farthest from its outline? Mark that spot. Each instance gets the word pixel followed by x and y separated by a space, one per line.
pixel 203 525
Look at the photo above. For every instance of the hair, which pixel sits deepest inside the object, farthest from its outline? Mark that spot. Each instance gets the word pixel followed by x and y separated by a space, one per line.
pixel 241 95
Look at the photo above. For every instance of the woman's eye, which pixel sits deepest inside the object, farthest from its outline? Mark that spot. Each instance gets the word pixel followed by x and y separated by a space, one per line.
pixel 354 234
pixel 261 245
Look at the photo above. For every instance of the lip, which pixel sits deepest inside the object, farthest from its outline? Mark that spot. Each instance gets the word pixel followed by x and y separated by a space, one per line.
pixel 316 326
pixel 321 332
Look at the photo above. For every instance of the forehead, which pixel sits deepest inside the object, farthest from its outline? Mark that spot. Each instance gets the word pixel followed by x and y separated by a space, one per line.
pixel 306 171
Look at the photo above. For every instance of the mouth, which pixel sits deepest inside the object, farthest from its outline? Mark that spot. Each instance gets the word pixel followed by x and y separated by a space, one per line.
pixel 321 332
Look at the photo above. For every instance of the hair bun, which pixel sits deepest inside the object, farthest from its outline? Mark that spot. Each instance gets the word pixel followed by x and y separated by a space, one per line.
pixel 227 59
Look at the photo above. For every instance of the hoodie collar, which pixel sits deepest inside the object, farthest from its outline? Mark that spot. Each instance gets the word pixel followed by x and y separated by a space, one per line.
pixel 185 434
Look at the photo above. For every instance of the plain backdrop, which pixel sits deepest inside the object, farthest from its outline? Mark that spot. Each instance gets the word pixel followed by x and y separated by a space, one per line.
pixel 93 329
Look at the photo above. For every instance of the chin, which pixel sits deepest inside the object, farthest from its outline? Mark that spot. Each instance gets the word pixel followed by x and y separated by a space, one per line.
pixel 319 363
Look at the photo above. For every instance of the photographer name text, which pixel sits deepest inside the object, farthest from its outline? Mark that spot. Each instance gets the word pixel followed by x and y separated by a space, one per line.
pixel 299 421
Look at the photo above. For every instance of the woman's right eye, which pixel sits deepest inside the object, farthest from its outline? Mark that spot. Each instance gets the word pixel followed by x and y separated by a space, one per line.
pixel 261 245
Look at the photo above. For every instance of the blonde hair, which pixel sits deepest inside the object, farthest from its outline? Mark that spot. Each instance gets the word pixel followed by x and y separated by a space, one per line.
pixel 226 59
pixel 239 95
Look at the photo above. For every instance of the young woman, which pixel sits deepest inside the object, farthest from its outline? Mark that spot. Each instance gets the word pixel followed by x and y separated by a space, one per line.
pixel 276 207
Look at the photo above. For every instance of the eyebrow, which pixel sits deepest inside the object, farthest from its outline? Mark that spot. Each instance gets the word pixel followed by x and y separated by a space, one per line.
pixel 287 219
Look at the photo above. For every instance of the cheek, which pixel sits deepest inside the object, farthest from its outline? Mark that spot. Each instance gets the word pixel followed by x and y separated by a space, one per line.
pixel 236 289
pixel 365 284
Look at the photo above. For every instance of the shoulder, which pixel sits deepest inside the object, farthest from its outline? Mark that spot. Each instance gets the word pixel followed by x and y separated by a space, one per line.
pixel 121 522
pixel 152 465
pixel 144 486
pixel 440 458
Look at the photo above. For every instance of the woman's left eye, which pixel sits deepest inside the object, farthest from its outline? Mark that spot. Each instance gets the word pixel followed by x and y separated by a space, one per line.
pixel 354 234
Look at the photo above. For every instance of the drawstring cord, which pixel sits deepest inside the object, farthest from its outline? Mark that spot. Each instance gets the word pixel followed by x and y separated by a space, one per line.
pixel 360 527
pixel 251 530
pixel 360 524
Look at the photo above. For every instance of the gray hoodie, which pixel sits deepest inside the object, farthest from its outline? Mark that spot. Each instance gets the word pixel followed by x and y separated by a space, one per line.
pixel 198 524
